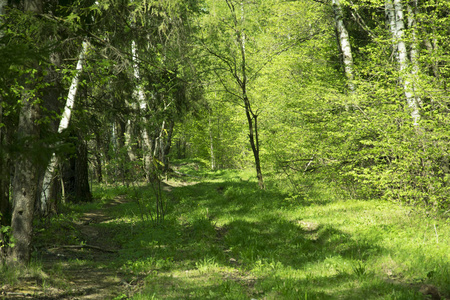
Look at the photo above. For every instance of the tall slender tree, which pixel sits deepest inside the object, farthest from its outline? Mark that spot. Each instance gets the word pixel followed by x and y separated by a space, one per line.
pixel 395 14
pixel 63 125
pixel 344 43
pixel 24 186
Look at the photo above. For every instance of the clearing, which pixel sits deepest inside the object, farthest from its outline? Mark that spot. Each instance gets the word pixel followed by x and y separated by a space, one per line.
pixel 223 238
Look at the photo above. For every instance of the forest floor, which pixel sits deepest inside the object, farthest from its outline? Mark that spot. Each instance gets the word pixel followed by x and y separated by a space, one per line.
pixel 67 270
pixel 223 238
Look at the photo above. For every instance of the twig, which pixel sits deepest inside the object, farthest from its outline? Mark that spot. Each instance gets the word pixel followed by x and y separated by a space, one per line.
pixel 86 246
pixel 183 174
pixel 435 230
pixel 309 163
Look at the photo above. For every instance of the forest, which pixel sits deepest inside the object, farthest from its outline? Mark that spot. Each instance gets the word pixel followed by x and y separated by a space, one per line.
pixel 224 149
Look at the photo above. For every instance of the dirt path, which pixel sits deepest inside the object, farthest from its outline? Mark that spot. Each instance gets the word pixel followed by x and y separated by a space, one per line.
pixel 77 271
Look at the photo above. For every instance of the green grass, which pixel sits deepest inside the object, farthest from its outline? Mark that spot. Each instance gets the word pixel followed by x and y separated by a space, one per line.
pixel 223 238
pixel 226 239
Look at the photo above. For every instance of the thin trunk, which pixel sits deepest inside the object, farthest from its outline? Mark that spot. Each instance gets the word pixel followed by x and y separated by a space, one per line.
pixel 251 117
pixel 5 209
pixel 394 11
pixel 242 81
pixel 146 143
pixel 75 173
pixel 213 160
pixel 82 188
pixel 344 43
pixel 98 158
pixel 63 124
pixel 129 141
pixel 168 145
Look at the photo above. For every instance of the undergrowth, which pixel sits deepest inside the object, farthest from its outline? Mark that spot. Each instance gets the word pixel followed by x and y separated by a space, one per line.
pixel 223 238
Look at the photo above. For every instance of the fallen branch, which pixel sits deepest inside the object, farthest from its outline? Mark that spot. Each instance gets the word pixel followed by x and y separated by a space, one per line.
pixel 183 174
pixel 86 247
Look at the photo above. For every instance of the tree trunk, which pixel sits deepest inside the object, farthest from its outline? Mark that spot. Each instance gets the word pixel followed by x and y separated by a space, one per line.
pixel 251 117
pixel 25 182
pixel 146 143
pixel 344 44
pixel 5 207
pixel 76 175
pixel 211 147
pixel 24 187
pixel 394 11
pixel 253 136
pixel 129 141
pixel 63 124
pixel 4 174
pixel 82 188
pixel 240 75
pixel 98 158
pixel 168 145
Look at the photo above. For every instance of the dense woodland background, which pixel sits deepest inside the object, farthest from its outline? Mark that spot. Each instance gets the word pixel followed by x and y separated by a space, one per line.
pixel 350 92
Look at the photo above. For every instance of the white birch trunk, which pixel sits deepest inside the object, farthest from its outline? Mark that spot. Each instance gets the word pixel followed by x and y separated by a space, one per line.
pixel 395 10
pixel 344 42
pixel 63 124
pixel 146 145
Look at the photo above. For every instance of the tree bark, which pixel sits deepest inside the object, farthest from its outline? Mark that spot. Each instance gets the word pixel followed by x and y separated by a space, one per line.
pixel 251 117
pixel 25 182
pixel 5 207
pixel 168 145
pixel 4 174
pixel 24 187
pixel 82 188
pixel 211 145
pixel 344 44
pixel 63 124
pixel 76 175
pixel 98 158
pixel 146 143
pixel 394 11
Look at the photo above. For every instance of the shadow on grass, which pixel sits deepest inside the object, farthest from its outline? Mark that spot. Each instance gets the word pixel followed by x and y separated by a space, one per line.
pixel 191 256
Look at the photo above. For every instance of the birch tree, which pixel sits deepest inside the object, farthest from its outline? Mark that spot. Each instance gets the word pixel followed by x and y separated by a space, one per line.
pixel 394 12
pixel 63 125
pixel 344 43
pixel 141 99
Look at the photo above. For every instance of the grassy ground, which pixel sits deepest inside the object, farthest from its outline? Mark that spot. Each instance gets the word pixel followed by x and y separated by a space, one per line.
pixel 223 238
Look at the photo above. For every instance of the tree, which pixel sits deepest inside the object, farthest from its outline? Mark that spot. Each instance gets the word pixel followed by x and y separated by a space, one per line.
pixel 394 12
pixel 24 186
pixel 235 63
pixel 63 125
pixel 344 43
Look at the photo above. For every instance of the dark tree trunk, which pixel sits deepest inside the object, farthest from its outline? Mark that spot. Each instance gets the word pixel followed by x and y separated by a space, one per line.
pixel 5 208
pixel 252 120
pixel 76 175
pixel 98 167
pixel 24 185
pixel 98 157
pixel 82 188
